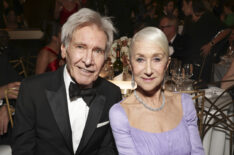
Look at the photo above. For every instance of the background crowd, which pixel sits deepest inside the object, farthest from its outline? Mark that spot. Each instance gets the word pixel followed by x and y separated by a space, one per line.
pixel 206 34
pixel 199 28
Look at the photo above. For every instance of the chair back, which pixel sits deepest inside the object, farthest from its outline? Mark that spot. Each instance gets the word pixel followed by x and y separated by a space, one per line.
pixel 25 66
pixel 18 65
pixel 220 116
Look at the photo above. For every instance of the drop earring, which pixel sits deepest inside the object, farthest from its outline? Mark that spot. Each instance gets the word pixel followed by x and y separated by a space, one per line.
pixel 133 82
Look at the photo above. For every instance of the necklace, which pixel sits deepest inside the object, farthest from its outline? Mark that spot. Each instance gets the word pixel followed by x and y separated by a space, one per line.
pixel 148 107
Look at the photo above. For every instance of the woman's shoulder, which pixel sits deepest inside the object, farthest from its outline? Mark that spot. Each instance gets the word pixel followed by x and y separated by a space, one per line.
pixel 116 110
pixel 172 97
pixel 117 116
pixel 180 99
pixel 120 109
pixel 187 104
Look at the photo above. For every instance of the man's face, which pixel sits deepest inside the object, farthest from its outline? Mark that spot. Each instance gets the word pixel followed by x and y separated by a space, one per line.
pixel 85 54
pixel 168 28
pixel 170 7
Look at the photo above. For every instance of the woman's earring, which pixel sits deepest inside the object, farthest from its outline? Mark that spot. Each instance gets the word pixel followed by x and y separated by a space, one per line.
pixel 163 84
pixel 133 82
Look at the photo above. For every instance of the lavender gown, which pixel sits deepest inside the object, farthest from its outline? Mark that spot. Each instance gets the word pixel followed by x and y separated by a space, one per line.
pixel 182 140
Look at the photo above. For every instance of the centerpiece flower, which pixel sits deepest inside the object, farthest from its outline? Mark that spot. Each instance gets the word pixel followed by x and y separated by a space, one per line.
pixel 123 43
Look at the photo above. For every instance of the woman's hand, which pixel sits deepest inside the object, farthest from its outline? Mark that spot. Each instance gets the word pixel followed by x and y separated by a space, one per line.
pixel 206 49
pixel 12 88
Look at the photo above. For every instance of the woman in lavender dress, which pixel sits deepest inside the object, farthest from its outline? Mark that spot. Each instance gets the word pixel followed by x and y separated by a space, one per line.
pixel 153 121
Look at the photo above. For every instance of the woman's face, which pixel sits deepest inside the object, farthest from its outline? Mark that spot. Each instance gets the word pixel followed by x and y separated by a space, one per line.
pixel 149 64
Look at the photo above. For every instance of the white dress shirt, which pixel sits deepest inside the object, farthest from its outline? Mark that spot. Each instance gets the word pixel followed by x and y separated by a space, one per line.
pixel 173 38
pixel 78 113
pixel 171 48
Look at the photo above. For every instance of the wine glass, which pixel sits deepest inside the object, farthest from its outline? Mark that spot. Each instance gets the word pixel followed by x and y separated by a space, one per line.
pixel 175 63
pixel 178 77
pixel 188 70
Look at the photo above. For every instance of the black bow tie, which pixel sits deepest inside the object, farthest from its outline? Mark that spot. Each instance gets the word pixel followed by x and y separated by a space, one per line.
pixel 170 44
pixel 75 92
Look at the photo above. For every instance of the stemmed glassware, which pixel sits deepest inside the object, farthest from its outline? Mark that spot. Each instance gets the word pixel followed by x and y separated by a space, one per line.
pixel 181 75
pixel 176 72
pixel 188 71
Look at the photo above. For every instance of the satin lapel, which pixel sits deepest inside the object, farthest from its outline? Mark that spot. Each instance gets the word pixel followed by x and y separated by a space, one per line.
pixel 58 104
pixel 95 112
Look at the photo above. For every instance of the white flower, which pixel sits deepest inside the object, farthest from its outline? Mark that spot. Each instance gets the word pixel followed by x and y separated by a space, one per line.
pixel 124 43
pixel 123 38
pixel 129 42
pixel 124 50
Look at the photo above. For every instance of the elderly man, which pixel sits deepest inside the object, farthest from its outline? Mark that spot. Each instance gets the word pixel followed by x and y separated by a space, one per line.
pixel 66 112
pixel 169 25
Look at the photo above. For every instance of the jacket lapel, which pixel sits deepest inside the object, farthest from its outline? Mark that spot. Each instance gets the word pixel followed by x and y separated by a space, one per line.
pixel 95 112
pixel 58 102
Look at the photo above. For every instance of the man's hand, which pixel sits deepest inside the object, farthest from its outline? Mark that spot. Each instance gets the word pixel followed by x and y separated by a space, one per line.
pixel 206 49
pixel 12 88
pixel 4 119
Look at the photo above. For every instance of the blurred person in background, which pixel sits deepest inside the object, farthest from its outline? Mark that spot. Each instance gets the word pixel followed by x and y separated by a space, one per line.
pixel 49 56
pixel 228 76
pixel 8 81
pixel 169 25
pixel 228 10
pixel 168 7
pixel 11 20
pixel 6 47
pixel 64 9
pixel 203 32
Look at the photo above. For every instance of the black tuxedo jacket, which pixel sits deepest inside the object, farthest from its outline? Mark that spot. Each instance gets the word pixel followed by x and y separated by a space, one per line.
pixel 42 125
pixel 179 45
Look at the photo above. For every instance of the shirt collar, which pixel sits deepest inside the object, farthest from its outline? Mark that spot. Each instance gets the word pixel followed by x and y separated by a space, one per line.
pixel 173 38
pixel 67 78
